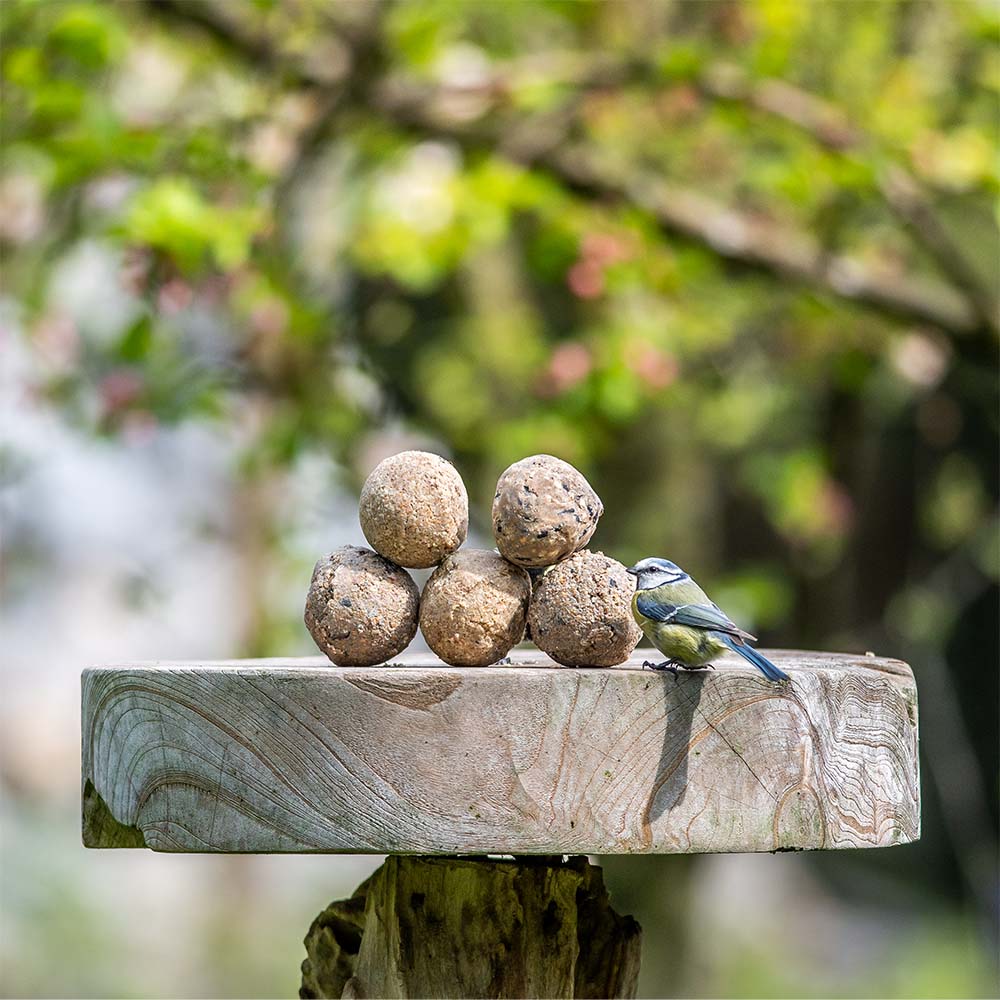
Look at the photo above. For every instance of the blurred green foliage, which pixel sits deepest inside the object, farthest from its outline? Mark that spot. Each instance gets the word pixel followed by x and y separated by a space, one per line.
pixel 291 245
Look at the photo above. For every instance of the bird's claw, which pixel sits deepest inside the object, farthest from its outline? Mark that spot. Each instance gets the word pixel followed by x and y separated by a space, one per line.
pixel 665 665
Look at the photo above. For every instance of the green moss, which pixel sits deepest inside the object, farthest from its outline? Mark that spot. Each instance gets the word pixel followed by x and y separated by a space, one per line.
pixel 101 829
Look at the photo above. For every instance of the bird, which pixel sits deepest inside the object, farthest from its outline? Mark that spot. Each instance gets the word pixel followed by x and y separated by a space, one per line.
pixel 680 620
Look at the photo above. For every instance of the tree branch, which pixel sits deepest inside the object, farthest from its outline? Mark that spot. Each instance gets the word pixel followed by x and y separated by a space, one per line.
pixel 905 196
pixel 912 206
pixel 787 252
pixel 363 65
pixel 231 33
pixel 829 125
pixel 536 142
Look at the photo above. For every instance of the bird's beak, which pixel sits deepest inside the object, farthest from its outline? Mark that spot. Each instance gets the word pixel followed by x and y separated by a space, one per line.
pixel 632 570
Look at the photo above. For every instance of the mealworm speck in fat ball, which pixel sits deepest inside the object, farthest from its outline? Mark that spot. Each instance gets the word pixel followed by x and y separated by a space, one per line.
pixel 543 511
pixel 473 608
pixel 414 509
pixel 581 612
pixel 361 609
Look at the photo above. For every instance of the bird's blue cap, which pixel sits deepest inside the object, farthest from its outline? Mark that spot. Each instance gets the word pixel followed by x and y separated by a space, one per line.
pixel 653 563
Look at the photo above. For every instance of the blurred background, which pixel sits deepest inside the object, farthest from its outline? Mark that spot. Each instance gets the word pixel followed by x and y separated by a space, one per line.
pixel 735 260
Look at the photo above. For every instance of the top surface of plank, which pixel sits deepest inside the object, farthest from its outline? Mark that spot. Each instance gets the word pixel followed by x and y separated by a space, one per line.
pixel 788 659
pixel 298 755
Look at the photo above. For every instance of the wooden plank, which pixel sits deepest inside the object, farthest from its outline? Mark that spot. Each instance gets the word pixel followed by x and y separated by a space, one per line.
pixel 422 758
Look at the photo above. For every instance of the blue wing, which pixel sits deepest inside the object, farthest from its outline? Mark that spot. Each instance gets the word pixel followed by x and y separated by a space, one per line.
pixel 650 607
pixel 703 616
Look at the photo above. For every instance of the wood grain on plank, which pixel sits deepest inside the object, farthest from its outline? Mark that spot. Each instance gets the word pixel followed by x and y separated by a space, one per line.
pixel 418 757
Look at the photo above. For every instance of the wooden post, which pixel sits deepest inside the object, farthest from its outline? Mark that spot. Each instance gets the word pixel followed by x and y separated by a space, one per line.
pixel 458 927
pixel 418 758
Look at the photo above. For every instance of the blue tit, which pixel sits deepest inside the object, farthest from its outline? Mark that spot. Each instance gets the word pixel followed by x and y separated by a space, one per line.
pixel 677 617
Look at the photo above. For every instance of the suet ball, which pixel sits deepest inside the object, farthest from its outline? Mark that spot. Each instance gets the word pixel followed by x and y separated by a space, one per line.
pixel 580 613
pixel 414 509
pixel 361 608
pixel 544 510
pixel 473 608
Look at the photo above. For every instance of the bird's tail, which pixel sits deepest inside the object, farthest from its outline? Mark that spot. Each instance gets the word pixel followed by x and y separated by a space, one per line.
pixel 762 663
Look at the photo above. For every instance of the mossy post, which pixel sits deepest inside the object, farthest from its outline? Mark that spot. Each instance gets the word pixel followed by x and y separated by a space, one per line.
pixel 463 927
pixel 440 766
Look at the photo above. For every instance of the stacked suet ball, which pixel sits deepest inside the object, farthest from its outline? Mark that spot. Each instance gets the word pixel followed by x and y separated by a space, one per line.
pixel 361 608
pixel 473 608
pixel 581 612
pixel 543 511
pixel 414 509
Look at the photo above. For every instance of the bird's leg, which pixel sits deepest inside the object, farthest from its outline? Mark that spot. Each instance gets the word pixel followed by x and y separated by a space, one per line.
pixel 670 665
